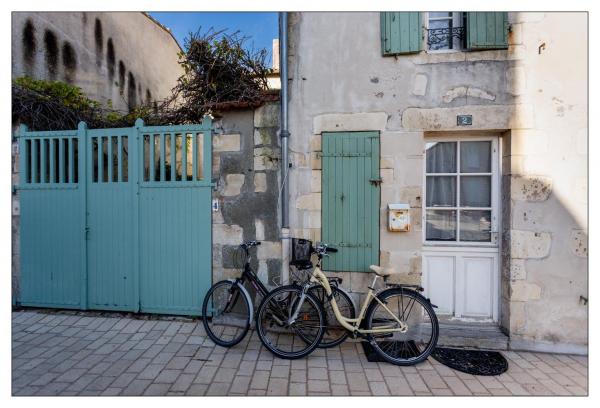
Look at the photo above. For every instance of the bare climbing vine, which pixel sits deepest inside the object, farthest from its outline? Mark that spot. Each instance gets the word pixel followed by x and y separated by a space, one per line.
pixel 219 72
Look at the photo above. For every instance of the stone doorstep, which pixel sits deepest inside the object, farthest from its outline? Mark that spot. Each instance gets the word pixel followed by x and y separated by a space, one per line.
pixel 470 335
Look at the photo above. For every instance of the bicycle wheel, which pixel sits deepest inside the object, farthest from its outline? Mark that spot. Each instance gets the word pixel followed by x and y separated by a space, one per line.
pixel 334 332
pixel 286 337
pixel 226 313
pixel 416 312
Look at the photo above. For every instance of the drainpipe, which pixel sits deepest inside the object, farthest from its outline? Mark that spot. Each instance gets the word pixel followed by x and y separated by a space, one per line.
pixel 284 135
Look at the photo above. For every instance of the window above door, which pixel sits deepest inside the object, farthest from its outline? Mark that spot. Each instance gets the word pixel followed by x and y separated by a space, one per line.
pixel 412 32
pixel 461 192
pixel 445 31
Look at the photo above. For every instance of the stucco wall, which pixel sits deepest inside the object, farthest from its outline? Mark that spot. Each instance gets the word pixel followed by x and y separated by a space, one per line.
pixel 124 57
pixel 246 171
pixel 535 101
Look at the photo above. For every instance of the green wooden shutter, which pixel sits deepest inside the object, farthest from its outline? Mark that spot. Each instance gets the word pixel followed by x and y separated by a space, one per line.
pixel 487 30
pixel 350 201
pixel 400 32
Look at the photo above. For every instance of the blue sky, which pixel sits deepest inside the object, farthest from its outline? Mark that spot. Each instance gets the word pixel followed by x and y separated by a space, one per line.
pixel 261 27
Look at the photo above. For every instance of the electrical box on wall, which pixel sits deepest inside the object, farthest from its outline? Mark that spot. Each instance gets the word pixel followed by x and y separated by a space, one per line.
pixel 398 217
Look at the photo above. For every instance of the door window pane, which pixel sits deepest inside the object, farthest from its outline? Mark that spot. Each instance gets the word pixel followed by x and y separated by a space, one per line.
pixel 441 191
pixel 475 226
pixel 475 191
pixel 441 157
pixel 475 157
pixel 440 225
pixel 438 14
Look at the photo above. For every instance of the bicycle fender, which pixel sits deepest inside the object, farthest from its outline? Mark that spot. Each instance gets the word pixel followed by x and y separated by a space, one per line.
pixel 247 295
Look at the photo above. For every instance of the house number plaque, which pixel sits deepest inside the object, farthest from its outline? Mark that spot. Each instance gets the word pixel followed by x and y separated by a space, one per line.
pixel 464 120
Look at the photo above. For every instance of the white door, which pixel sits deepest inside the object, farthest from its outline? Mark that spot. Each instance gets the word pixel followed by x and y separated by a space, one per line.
pixel 460 226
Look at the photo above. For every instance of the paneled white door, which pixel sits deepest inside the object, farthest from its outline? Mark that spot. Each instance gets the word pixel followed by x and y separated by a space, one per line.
pixel 460 226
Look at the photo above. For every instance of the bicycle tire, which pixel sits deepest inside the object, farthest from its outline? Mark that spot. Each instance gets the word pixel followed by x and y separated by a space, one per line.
pixel 224 339
pixel 333 339
pixel 271 301
pixel 407 347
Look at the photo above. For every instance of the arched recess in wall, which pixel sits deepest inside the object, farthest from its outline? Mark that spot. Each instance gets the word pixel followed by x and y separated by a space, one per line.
pixel 69 60
pixel 51 53
pixel 121 77
pixel 131 91
pixel 29 47
pixel 99 41
pixel 110 60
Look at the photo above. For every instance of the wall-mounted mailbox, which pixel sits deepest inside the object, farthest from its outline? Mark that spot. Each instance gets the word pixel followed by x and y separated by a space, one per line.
pixel 398 217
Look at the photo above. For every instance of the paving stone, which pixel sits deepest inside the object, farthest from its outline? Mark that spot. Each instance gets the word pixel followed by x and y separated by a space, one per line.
pixel 136 387
pixel 246 368
pixel 457 386
pixel 184 381
pixel 297 389
pixel 217 388
pixel 178 363
pixel 123 380
pixel 197 389
pixel 224 374
pixel 317 373
pixel 90 355
pixel 157 389
pixel 277 386
pixel 240 384
pixel 206 375
pixel 318 386
pixel 260 380
pixel 357 381
pixel 167 376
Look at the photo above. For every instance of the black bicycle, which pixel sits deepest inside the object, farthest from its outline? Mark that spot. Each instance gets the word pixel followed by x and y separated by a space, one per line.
pixel 228 309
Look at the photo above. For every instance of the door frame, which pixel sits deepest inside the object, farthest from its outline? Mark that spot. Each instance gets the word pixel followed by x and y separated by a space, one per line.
pixel 469 248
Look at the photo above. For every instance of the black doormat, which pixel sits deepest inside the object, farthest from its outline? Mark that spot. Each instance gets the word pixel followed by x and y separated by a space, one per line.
pixel 476 362
pixel 408 349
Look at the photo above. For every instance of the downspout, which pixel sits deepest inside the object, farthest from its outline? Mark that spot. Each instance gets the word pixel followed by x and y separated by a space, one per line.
pixel 284 135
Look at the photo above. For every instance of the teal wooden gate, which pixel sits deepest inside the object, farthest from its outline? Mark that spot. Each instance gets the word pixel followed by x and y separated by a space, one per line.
pixel 350 199
pixel 116 219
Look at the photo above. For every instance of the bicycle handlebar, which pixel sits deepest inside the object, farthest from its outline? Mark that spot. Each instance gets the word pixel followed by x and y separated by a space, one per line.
pixel 250 244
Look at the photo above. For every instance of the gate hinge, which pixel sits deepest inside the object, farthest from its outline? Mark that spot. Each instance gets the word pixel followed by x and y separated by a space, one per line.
pixel 376 181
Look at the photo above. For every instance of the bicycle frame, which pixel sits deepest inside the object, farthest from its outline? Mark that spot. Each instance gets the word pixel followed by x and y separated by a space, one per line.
pixel 353 325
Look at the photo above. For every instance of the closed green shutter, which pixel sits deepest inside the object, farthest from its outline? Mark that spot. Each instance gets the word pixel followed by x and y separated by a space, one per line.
pixel 487 30
pixel 350 200
pixel 400 32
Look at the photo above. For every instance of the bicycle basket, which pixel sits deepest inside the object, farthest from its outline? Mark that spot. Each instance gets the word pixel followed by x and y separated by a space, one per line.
pixel 301 251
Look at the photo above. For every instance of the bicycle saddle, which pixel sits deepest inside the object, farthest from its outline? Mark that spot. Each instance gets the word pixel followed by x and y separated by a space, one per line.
pixel 381 271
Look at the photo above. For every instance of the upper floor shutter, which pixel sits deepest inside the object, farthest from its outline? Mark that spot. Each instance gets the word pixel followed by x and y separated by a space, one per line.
pixel 487 30
pixel 400 32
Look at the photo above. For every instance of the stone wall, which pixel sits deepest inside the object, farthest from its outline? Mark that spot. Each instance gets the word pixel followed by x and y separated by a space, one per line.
pixel 122 57
pixel 531 95
pixel 246 169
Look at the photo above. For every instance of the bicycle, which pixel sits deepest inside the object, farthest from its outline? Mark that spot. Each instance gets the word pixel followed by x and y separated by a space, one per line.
pixel 289 320
pixel 228 308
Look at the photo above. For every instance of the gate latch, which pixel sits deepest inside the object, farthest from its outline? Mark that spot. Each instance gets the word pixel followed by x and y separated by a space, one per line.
pixel 87 233
pixel 376 181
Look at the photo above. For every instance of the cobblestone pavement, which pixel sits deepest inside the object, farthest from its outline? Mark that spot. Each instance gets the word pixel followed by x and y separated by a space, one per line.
pixel 82 354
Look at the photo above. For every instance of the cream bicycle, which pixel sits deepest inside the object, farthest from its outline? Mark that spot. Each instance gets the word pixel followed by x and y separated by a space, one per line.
pixel 398 322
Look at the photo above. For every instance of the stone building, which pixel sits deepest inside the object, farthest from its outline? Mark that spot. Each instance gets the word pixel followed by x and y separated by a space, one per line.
pixel 475 124
pixel 126 58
